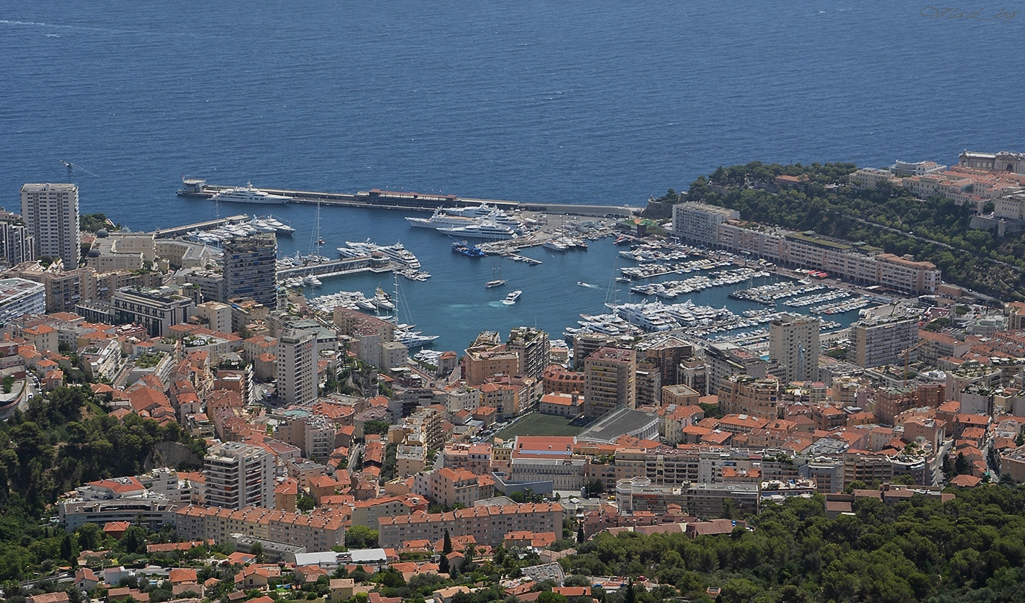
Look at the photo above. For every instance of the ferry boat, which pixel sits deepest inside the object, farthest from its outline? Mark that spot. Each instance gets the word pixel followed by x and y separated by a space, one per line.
pixel 249 194
pixel 512 298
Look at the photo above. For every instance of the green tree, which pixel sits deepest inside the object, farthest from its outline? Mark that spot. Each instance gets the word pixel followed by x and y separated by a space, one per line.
pixel 360 537
pixel 305 502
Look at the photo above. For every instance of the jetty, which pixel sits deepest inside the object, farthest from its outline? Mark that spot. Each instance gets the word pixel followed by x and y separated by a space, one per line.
pixel 376 198
pixel 178 231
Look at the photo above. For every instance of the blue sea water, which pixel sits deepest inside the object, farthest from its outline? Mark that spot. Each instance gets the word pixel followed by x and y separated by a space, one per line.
pixel 565 102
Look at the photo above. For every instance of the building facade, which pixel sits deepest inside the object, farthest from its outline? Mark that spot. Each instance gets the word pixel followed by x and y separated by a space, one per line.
pixel 296 368
pixel 250 269
pixel 239 475
pixel 609 381
pixel 19 297
pixel 882 341
pixel 50 212
pixel 155 309
pixel 794 344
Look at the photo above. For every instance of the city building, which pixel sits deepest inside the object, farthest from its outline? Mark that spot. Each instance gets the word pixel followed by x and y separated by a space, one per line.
pixel 882 341
pixel 239 475
pixel 742 394
pixel 19 297
pixel 296 368
pixel 50 212
pixel 609 381
pixel 16 242
pixel 725 359
pixel 488 524
pixel 853 262
pixel 532 348
pixel 699 222
pixel 1004 161
pixel 250 269
pixel 216 315
pixel 794 345
pixel 155 309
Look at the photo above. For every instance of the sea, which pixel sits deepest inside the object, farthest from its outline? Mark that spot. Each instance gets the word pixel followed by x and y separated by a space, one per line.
pixel 536 101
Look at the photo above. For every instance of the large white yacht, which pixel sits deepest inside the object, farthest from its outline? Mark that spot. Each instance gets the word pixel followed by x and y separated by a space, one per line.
pixel 249 194
pixel 481 229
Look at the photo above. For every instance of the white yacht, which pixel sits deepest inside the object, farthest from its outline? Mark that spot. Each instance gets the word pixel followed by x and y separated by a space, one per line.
pixel 249 194
pixel 512 298
pixel 482 229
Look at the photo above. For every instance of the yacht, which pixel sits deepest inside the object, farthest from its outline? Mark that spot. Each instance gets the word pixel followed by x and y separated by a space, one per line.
pixel 482 229
pixel 512 298
pixel 312 281
pixel 440 219
pixel 498 282
pixel 249 194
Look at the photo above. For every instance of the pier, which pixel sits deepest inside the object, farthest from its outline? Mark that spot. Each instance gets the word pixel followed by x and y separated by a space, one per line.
pixel 336 268
pixel 177 231
pixel 409 201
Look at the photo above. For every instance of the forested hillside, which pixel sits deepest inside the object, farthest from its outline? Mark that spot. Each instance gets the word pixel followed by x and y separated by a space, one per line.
pixel 969 549
pixel 57 444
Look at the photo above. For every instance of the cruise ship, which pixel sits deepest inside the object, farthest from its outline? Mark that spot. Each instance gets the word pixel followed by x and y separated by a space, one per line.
pixel 248 194
pixel 483 229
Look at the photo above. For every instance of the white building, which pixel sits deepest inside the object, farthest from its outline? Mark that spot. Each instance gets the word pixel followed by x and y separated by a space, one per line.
pixel 794 343
pixel 19 297
pixel 296 368
pixel 239 475
pixel 50 212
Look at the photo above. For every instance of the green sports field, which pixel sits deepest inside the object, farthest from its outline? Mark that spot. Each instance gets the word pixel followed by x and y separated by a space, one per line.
pixel 539 425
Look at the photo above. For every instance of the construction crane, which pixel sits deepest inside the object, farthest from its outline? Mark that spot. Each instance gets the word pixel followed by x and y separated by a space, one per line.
pixel 74 166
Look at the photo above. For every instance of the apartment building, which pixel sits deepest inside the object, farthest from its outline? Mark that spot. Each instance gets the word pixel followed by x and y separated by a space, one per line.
pixel 19 297
pixel 849 261
pixel 296 368
pixel 741 394
pixel 239 475
pixel 609 381
pixel 250 269
pixel 794 345
pixel 50 212
pixel 487 524
pixel 882 341
pixel 317 531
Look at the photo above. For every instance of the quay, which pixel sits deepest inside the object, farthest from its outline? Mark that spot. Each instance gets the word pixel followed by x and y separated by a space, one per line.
pixel 336 268
pixel 409 201
pixel 177 231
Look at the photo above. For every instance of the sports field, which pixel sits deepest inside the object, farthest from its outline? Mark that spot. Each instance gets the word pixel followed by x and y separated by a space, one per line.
pixel 539 425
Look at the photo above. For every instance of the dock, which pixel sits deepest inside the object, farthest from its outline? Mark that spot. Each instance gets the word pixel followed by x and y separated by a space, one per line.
pixel 410 201
pixel 177 231
pixel 330 268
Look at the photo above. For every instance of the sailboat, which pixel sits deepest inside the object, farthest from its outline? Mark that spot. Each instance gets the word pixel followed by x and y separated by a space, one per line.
pixel 497 280
pixel 404 333
pixel 314 256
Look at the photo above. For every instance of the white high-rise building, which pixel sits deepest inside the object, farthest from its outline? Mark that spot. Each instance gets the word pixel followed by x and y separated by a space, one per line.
pixel 239 475
pixel 296 367
pixel 50 212
pixel 794 343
